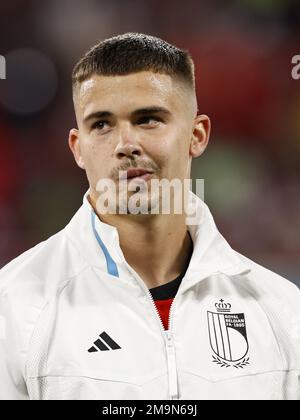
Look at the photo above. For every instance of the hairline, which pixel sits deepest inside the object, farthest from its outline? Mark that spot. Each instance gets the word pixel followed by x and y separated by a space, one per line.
pixel 175 76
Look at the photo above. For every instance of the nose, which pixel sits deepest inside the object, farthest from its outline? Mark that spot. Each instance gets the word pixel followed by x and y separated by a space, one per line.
pixel 128 144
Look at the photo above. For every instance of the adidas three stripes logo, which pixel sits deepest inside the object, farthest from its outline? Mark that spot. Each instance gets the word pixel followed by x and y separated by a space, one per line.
pixel 109 344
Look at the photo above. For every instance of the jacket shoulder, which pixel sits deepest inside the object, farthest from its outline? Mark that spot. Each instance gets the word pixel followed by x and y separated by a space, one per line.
pixel 274 284
pixel 42 269
pixel 27 284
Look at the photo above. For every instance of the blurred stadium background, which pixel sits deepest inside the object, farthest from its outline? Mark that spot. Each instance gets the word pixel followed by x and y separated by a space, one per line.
pixel 242 51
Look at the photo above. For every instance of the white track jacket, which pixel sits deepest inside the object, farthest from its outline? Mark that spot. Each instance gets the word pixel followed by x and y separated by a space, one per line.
pixel 77 322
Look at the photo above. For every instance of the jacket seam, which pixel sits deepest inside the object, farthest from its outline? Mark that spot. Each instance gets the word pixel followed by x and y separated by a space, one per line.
pixel 83 376
pixel 58 291
pixel 242 376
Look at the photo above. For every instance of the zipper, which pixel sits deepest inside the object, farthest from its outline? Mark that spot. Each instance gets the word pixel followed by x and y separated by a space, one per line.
pixel 172 369
pixel 170 349
pixel 168 338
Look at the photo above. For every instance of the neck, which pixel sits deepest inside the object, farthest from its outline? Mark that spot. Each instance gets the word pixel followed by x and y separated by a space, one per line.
pixel 157 247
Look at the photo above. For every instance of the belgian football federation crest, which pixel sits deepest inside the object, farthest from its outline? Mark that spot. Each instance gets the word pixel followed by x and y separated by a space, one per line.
pixel 228 337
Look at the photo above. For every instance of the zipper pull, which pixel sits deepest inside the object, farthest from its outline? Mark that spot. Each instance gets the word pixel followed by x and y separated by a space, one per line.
pixel 169 338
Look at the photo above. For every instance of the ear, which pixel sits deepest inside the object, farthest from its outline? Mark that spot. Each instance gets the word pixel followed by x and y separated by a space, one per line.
pixel 200 136
pixel 75 147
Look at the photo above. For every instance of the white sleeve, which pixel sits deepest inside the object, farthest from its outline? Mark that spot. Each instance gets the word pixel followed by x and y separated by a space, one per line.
pixel 12 355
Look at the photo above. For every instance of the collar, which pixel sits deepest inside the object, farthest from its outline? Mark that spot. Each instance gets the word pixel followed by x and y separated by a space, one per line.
pixel 99 242
pixel 212 254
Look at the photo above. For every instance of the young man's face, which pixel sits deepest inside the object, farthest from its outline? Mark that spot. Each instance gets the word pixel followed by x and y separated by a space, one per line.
pixel 141 121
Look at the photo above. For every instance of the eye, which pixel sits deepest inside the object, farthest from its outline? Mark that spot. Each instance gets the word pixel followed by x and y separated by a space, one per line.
pixel 99 125
pixel 149 120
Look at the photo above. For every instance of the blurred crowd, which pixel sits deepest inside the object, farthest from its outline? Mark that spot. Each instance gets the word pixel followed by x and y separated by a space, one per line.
pixel 242 51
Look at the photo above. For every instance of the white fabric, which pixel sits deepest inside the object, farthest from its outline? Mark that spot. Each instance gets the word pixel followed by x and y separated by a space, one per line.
pixel 57 298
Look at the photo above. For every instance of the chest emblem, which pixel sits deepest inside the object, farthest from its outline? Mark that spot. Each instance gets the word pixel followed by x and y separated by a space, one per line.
pixel 228 336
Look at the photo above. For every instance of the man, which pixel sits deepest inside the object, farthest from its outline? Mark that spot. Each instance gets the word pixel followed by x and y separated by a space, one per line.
pixel 141 304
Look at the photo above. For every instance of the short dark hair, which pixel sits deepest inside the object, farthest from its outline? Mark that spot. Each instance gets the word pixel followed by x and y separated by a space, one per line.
pixel 131 53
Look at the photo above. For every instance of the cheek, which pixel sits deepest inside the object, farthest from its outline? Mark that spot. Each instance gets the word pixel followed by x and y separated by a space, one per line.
pixel 160 152
pixel 95 149
pixel 180 155
pixel 171 157
pixel 96 158
pixel 172 147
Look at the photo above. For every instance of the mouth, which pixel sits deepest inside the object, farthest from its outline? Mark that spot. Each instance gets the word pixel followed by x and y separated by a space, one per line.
pixel 137 174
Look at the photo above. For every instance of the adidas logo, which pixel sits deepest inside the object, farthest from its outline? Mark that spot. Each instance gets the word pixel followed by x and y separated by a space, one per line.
pixel 99 345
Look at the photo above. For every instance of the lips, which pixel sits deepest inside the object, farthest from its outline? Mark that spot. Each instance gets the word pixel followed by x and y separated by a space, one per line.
pixel 138 173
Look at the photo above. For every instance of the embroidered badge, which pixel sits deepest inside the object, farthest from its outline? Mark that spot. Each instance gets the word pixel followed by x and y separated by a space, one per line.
pixel 228 337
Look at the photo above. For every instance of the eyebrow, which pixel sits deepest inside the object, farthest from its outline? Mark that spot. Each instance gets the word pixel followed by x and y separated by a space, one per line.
pixel 136 113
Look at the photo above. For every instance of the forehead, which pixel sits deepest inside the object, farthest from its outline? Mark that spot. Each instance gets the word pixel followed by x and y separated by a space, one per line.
pixel 137 90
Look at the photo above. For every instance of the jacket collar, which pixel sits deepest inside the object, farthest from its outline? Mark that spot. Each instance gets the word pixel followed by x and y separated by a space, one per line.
pixel 99 243
pixel 212 254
